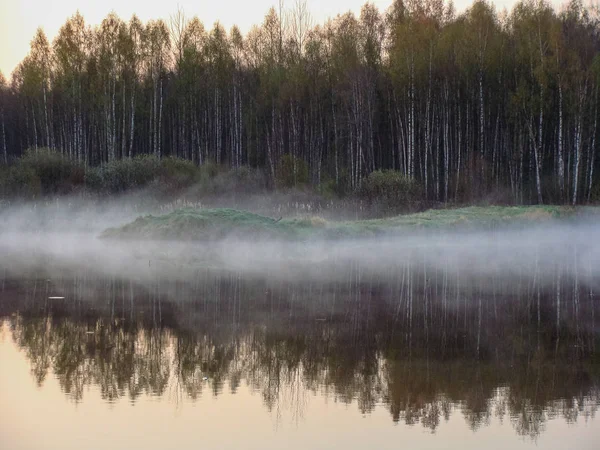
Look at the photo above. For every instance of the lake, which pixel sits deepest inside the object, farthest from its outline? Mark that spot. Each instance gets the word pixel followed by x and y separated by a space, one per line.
pixel 328 352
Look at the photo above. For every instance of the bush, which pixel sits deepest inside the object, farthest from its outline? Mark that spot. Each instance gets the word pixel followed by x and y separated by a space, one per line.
pixel 292 172
pixel 41 172
pixel 242 180
pixel 44 172
pixel 119 176
pixel 125 174
pixel 231 181
pixel 209 170
pixel 177 173
pixel 328 187
pixel 56 173
pixel 21 182
pixel 390 187
pixel 171 174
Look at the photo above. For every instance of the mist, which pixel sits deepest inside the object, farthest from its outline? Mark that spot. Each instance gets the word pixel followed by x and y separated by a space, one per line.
pixel 55 240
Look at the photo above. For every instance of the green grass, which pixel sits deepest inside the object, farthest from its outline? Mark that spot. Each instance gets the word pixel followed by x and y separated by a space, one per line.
pixel 476 215
pixel 473 217
pixel 209 224
pixel 191 224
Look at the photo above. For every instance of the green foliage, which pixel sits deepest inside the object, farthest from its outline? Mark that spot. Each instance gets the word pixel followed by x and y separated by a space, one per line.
pixel 215 180
pixel 41 172
pixel 390 187
pixel 47 172
pixel 122 175
pixel 330 189
pixel 240 180
pixel 177 173
pixel 292 172
pixel 209 170
pixel 57 173
pixel 19 182
pixel 168 174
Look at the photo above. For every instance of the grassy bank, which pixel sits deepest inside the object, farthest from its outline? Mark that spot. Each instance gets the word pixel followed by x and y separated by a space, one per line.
pixel 208 224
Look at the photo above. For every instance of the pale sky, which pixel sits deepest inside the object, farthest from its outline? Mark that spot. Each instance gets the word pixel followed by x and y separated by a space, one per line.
pixel 19 19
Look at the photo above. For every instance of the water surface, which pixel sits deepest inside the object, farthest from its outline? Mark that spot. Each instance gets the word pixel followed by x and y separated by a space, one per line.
pixel 418 356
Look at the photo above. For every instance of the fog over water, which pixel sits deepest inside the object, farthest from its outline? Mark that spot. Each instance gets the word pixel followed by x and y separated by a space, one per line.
pixel 482 337
pixel 53 238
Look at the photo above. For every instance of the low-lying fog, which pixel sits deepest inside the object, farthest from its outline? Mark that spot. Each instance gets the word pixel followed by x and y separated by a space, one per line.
pixel 53 240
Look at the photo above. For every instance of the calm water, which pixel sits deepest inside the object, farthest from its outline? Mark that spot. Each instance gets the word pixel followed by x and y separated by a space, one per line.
pixel 414 358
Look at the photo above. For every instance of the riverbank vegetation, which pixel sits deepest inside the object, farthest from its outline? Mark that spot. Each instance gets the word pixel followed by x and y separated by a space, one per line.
pixel 220 223
pixel 43 175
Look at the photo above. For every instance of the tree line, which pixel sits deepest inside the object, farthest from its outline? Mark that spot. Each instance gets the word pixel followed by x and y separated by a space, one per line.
pixel 466 105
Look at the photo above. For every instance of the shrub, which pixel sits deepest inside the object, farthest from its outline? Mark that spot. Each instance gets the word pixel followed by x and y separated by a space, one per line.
pixel 169 174
pixel 209 170
pixel 292 171
pixel 390 187
pixel 19 181
pixel 328 187
pixel 177 173
pixel 41 172
pixel 122 175
pixel 56 173
pixel 240 180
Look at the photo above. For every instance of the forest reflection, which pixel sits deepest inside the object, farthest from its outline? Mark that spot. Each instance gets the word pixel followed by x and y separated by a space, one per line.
pixel 424 346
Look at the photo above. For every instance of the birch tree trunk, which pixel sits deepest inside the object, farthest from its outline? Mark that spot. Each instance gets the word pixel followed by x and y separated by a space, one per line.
pixel 159 141
pixel 4 141
pixel 577 148
pixel 561 163
pixel 592 152
pixel 48 143
pixel 131 131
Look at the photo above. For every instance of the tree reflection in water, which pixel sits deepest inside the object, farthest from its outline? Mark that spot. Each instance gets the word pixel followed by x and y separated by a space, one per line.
pixel 426 346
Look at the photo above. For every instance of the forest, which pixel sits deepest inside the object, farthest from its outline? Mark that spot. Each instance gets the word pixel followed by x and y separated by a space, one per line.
pixel 471 105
